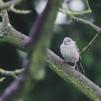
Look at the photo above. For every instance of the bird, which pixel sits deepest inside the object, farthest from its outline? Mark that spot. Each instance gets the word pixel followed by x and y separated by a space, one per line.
pixel 70 52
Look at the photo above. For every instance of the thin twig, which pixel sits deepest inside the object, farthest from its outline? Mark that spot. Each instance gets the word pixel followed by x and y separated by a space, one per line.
pixel 9 4
pixel 87 3
pixel 2 79
pixel 90 43
pixel 98 29
pixel 74 13
pixel 19 11
pixel 11 73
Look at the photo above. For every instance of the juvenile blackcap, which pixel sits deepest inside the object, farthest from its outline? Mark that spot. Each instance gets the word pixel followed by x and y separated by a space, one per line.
pixel 69 51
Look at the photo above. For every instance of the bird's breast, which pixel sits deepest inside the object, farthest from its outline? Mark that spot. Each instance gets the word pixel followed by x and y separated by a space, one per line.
pixel 69 53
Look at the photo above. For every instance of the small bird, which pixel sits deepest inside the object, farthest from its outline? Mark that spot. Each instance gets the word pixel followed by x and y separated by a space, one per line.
pixel 70 52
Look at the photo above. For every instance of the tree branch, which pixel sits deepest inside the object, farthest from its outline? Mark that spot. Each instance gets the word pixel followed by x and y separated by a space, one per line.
pixel 9 32
pixel 98 29
pixel 90 43
pixel 9 4
pixel 2 79
pixel 73 77
pixel 11 73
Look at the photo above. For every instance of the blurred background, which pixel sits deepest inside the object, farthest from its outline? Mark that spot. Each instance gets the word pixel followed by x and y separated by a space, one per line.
pixel 53 88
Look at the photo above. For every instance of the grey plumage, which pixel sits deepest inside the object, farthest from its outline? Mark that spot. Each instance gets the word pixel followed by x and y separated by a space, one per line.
pixel 69 50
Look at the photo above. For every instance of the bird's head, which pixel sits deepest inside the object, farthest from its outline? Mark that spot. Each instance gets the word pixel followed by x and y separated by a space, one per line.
pixel 68 41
